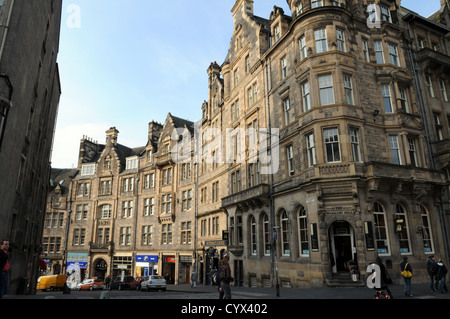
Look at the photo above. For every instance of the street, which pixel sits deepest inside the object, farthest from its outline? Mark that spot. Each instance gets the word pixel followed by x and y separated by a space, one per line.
pixel 420 292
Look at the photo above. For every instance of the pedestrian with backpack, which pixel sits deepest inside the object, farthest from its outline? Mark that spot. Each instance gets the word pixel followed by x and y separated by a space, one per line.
pixel 225 278
pixel 441 273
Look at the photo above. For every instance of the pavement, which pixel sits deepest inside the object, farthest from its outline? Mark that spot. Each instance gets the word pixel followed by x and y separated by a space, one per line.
pixel 184 291
pixel 419 291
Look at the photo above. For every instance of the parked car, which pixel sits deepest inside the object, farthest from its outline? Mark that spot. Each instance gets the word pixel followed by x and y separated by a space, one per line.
pixel 90 284
pixel 54 282
pixel 154 282
pixel 121 282
pixel 136 284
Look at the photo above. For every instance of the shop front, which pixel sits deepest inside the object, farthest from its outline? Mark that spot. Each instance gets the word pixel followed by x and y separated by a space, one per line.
pixel 209 260
pixel 76 268
pixel 122 265
pixel 146 265
pixel 168 268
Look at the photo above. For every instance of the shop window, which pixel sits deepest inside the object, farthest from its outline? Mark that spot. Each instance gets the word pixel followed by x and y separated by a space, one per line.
pixel 427 235
pixel 381 231
pixel 303 232
pixel 402 229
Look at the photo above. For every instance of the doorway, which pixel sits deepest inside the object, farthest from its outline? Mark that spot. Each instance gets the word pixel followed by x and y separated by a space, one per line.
pixel 342 246
pixel 101 268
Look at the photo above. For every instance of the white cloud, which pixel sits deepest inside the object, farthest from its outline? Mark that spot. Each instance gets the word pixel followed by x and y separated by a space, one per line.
pixel 66 145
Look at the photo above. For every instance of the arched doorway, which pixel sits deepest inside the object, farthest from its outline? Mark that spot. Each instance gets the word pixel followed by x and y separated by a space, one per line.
pixel 100 269
pixel 342 246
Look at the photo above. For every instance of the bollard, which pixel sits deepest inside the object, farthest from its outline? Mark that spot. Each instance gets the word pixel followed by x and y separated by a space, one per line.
pixel 66 290
pixel 104 294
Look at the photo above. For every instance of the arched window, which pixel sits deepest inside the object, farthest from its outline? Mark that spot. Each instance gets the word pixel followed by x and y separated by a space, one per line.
pixel 266 229
pixel 381 233
pixel 403 234
pixel 426 230
pixel 253 235
pixel 285 250
pixel 303 232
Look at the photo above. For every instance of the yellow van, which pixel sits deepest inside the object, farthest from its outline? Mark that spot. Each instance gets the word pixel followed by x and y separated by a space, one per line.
pixel 55 282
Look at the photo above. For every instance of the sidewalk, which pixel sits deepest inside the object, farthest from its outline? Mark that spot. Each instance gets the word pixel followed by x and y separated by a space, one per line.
pixel 419 291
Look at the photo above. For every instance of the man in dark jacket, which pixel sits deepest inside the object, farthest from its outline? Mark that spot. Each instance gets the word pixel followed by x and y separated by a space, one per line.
pixel 4 267
pixel 431 269
pixel 440 277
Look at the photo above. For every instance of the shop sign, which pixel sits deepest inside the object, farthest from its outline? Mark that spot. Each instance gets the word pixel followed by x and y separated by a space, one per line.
pixel 216 242
pixel 147 258
pixel 80 265
pixel 170 259
pixel 77 259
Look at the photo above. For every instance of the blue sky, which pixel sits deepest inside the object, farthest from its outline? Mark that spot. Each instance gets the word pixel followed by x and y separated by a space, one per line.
pixel 124 63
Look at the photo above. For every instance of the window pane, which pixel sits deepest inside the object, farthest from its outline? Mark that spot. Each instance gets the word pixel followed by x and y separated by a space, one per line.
pixel 326 89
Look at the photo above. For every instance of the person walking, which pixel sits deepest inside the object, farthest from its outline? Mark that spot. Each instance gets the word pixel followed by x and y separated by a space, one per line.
pixel 225 278
pixel 406 272
pixel 4 267
pixel 107 281
pixel 385 280
pixel 441 273
pixel 431 269
pixel 194 279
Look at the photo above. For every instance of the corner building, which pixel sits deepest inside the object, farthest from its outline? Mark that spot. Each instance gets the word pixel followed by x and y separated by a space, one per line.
pixel 356 164
pixel 357 175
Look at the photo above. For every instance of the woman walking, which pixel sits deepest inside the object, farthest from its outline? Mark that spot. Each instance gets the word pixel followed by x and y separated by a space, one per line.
pixel 406 272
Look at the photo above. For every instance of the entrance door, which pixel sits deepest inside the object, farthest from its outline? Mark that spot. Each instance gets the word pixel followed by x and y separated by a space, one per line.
pixel 100 269
pixel 342 246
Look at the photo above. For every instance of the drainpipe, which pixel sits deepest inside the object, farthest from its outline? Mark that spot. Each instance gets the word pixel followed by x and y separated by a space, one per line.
pixel 6 28
pixel 272 212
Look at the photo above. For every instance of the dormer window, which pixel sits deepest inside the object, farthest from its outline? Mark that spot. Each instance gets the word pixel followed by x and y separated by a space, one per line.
pixel 277 33
pixel 88 169
pixel 107 163
pixel 385 14
pixel 132 162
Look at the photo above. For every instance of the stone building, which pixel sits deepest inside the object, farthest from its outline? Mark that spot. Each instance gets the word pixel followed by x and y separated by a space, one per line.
pixel 323 144
pixel 29 96
pixel 128 211
pixel 361 171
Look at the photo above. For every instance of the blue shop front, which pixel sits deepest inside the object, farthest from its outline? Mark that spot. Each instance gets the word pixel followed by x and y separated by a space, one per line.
pixel 146 265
